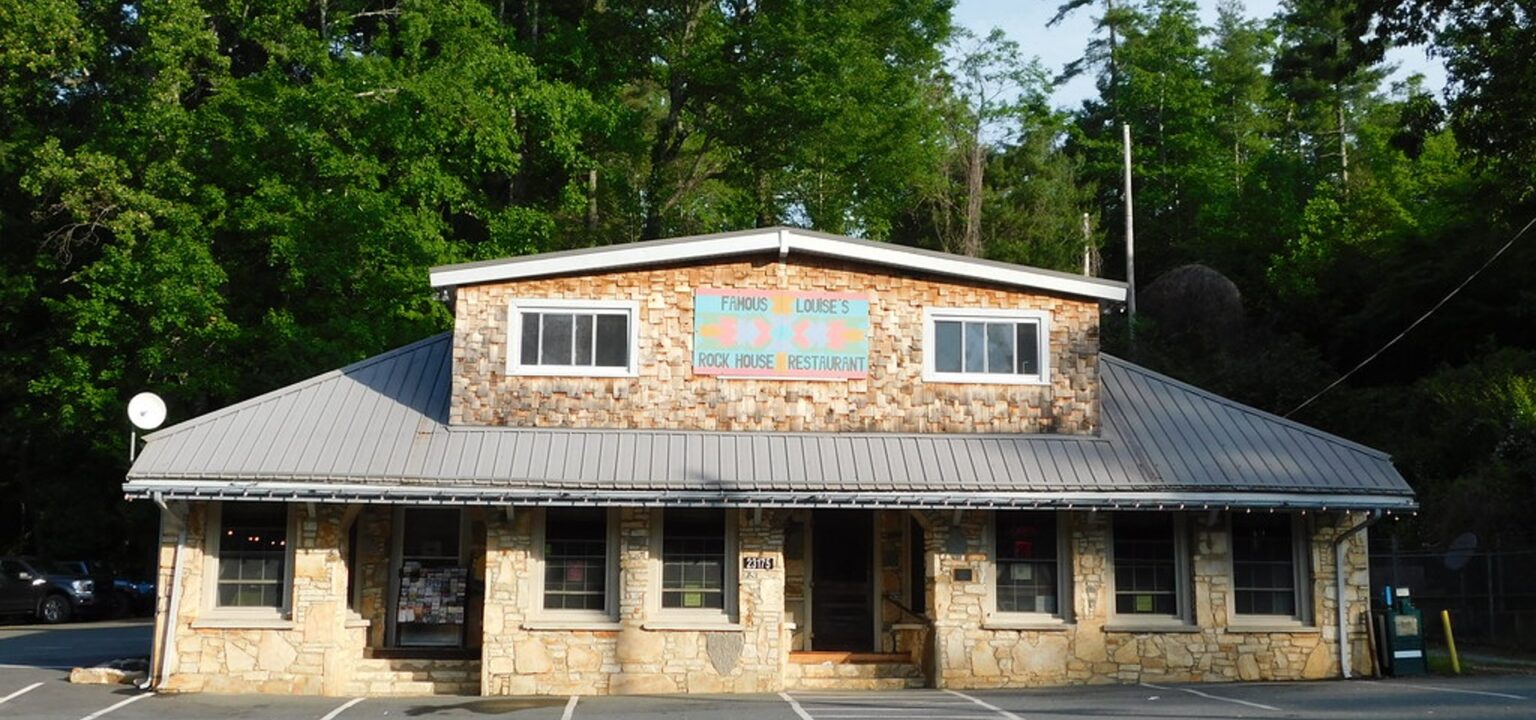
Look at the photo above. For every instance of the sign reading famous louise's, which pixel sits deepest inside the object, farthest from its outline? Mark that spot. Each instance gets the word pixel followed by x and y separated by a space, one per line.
pixel 781 333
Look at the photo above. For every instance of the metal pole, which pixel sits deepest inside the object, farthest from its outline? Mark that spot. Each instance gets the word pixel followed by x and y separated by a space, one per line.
pixel 1130 236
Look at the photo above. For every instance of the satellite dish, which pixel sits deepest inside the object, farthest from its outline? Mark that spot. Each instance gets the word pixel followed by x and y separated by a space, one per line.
pixel 1460 551
pixel 146 411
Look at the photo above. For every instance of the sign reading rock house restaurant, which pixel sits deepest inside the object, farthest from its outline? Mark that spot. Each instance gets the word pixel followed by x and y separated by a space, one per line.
pixel 781 333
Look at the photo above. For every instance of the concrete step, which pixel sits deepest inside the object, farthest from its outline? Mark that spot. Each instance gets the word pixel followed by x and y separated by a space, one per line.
pixel 407 676
pixel 869 671
pixel 840 683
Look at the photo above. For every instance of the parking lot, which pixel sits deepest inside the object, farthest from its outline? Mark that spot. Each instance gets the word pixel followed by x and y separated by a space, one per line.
pixel 34 684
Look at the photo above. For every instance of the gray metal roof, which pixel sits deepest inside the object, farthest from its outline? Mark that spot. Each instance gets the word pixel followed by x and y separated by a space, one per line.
pixel 377 431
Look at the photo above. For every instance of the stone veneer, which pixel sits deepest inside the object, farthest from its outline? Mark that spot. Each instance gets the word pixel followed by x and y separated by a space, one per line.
pixel 310 652
pixel 319 648
pixel 643 652
pixel 973 654
pixel 893 398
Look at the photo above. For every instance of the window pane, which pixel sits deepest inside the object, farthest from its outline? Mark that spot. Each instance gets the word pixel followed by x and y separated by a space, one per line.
pixel 1028 348
pixel 1000 347
pixel 529 353
pixel 575 558
pixel 975 347
pixel 612 341
pixel 1146 564
pixel 253 541
pixel 1026 562
pixel 555 348
pixel 583 343
pixel 431 533
pixel 1263 565
pixel 693 559
pixel 946 346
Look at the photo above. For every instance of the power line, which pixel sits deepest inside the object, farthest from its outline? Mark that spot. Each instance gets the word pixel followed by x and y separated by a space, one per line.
pixel 1416 323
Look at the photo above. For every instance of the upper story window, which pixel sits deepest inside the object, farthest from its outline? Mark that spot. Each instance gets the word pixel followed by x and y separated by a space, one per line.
pixel 573 337
pixel 986 346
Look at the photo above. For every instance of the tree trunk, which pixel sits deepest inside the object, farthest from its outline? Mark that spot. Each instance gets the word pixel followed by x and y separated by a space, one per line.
pixel 975 168
pixel 592 199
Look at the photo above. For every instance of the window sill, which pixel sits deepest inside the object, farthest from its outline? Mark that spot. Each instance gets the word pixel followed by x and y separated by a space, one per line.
pixel 1141 628
pixel 226 622
pixel 1294 628
pixel 1027 624
pixel 694 625
pixel 982 379
pixel 571 624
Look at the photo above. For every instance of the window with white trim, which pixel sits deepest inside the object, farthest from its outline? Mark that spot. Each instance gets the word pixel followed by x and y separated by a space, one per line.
pixel 697 568
pixel 1033 567
pixel 1151 567
pixel 986 346
pixel 251 556
pixel 1269 564
pixel 580 568
pixel 565 337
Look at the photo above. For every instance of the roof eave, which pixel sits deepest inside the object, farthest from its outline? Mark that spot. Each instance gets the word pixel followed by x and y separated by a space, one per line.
pixel 937 500
pixel 783 240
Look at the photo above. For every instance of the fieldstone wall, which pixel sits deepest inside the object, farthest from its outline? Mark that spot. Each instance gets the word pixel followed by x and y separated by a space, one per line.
pixel 668 395
pixel 640 653
pixel 974 652
pixel 311 652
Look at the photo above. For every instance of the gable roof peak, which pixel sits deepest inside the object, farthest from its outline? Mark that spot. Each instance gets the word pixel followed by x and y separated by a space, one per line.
pixel 783 240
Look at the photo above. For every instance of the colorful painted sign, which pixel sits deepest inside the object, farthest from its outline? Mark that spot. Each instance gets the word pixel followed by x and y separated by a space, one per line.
pixel 780 333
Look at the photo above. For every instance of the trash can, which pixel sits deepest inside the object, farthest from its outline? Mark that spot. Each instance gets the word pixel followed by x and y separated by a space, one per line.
pixel 1405 636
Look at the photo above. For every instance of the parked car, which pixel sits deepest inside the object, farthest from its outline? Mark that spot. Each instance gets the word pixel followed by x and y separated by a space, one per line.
pixel 34 587
pixel 116 596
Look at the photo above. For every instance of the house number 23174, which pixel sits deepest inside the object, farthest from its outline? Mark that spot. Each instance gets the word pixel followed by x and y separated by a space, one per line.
pixel 757 563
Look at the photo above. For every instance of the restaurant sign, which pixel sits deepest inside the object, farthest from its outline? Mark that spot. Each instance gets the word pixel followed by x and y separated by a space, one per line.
pixel 780 333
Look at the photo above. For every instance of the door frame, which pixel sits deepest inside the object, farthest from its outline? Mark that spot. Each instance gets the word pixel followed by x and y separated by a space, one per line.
pixel 396 561
pixel 876 608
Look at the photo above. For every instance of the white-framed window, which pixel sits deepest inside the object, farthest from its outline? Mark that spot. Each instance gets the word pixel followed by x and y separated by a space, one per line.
pixel 696 549
pixel 588 338
pixel 1270 571
pixel 986 346
pixel 1032 563
pixel 1149 553
pixel 249 559
pixel 578 552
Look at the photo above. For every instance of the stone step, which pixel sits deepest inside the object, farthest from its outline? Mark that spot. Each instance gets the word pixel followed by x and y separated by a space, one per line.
pixel 850 670
pixel 841 683
pixel 409 676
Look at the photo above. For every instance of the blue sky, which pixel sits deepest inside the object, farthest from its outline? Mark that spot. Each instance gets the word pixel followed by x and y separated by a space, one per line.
pixel 1024 21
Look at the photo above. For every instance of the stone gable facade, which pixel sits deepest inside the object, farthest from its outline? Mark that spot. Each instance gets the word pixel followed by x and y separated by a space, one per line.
pixel 667 394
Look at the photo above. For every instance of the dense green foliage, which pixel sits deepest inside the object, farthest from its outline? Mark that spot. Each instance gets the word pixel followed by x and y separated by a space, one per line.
pixel 210 199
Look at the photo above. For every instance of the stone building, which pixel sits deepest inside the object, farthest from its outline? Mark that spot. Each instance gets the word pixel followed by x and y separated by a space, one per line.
pixel 749 462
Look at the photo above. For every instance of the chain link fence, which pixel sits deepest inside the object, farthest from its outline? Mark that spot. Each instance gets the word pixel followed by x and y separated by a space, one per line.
pixel 1491 593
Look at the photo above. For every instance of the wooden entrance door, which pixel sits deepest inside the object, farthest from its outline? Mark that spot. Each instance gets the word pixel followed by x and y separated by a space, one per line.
pixel 842 581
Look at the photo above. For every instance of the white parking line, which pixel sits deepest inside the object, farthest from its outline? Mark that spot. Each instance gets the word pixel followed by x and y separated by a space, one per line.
pixel 1209 696
pixel 20 692
pixel 1442 689
pixel 795 705
pixel 1001 712
pixel 570 708
pixel 110 708
pixel 332 714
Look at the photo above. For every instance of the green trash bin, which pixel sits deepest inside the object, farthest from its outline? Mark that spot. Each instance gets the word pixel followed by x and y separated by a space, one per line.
pixel 1405 636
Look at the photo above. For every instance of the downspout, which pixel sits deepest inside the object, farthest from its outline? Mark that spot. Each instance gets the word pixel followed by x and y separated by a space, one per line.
pixel 173 603
pixel 1338 588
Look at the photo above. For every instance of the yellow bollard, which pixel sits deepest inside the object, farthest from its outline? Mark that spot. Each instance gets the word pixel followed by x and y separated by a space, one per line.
pixel 1450 641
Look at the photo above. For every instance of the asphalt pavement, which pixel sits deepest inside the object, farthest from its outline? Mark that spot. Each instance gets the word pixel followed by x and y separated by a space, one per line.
pixel 34 685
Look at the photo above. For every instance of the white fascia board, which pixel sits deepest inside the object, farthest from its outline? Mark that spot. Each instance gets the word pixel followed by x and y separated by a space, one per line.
pixel 955 265
pixel 610 258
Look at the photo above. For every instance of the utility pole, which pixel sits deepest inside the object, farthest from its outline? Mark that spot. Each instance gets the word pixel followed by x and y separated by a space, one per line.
pixel 1130 239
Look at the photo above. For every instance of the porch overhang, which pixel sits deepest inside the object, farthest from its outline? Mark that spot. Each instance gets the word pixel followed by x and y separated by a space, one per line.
pixel 398 494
